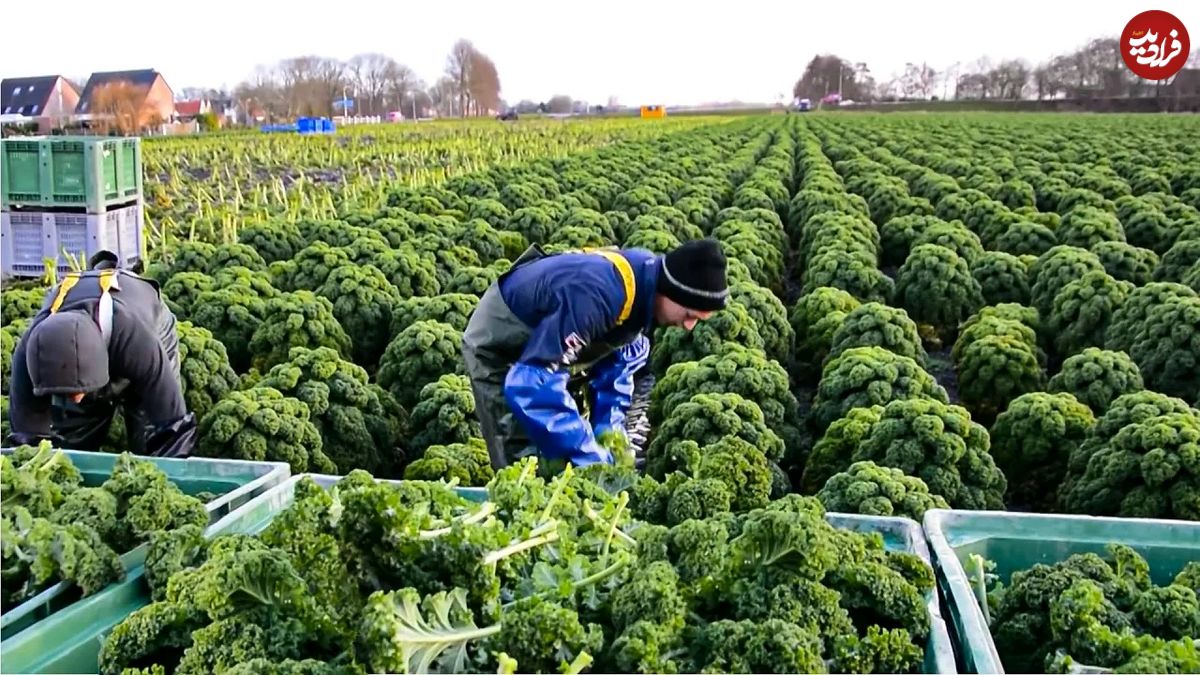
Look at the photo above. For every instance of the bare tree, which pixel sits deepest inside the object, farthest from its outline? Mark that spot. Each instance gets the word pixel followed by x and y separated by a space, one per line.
pixel 329 82
pixel 888 89
pixel 297 74
pixel 263 91
pixel 294 73
pixel 864 82
pixel 417 103
pixel 559 104
pixel 918 81
pixel 1060 71
pixel 1107 74
pixel 483 84
pixel 1094 69
pixel 370 75
pixel 1042 82
pixel 458 69
pixel 1009 79
pixel 311 83
pixel 975 80
pixel 118 106
pixel 401 84
pixel 826 72
pixel 443 95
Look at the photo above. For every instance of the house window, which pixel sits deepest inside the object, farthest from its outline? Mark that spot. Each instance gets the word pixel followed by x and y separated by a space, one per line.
pixel 16 91
pixel 34 111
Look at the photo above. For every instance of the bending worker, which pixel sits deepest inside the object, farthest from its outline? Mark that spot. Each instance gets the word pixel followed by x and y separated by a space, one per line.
pixel 103 338
pixel 579 313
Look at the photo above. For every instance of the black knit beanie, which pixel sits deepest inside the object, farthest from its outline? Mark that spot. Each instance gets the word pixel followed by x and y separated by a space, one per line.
pixel 694 275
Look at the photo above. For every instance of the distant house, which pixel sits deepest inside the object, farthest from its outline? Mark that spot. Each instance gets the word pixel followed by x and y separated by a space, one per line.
pixel 190 110
pixel 225 109
pixel 44 100
pixel 135 98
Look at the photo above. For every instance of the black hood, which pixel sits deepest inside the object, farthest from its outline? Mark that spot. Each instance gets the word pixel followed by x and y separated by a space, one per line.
pixel 66 354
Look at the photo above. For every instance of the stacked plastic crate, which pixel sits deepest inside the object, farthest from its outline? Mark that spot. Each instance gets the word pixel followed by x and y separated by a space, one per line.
pixel 64 198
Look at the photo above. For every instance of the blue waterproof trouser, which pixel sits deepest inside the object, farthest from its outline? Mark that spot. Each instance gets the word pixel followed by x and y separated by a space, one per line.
pixel 492 343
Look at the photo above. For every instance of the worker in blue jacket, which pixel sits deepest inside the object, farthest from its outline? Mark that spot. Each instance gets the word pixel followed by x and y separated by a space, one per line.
pixel 578 314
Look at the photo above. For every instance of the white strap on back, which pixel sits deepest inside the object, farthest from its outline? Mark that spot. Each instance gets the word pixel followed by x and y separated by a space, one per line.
pixel 104 310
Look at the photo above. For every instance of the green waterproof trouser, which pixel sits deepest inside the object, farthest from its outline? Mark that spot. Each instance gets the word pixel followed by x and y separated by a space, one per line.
pixel 492 343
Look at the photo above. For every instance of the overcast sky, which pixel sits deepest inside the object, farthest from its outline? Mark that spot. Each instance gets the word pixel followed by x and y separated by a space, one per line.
pixel 641 51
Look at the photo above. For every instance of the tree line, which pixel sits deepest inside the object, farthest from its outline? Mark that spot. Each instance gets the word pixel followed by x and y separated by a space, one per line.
pixel 1094 69
pixel 376 84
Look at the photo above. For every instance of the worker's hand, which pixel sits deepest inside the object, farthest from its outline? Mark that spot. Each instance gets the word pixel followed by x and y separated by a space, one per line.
pixel 614 432
pixel 592 453
pixel 616 440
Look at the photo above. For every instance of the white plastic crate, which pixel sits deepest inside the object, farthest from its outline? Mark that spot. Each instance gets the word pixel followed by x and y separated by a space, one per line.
pixel 129 233
pixel 28 237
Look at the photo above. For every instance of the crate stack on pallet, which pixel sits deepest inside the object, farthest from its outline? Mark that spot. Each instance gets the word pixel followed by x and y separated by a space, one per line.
pixel 64 198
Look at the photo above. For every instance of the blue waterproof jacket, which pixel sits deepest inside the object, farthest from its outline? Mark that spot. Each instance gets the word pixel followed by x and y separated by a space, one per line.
pixel 580 306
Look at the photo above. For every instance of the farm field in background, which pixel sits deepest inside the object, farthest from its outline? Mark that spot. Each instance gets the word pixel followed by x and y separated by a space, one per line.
pixel 208 185
pixel 976 312
pixel 970 260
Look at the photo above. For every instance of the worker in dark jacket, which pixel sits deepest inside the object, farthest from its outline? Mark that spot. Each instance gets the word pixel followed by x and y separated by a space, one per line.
pixel 103 337
pixel 583 314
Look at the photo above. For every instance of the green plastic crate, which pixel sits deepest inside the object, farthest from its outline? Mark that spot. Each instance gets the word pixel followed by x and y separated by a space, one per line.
pixel 70 641
pixel 234 481
pixel 91 173
pixel 1018 541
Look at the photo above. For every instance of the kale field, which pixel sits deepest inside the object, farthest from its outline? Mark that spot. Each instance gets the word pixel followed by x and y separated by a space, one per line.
pixel 978 312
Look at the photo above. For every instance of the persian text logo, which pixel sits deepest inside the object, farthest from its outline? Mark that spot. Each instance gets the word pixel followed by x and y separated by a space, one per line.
pixel 1155 44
